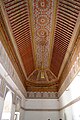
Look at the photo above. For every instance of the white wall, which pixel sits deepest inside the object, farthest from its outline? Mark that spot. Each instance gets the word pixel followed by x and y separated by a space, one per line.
pixel 39 109
pixel 22 113
pixel 72 112
pixel 12 112
pixel 1 106
pixel 44 115
pixel 42 104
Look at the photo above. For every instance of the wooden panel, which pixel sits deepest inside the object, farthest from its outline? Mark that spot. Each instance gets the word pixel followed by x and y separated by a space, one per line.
pixel 67 14
pixel 18 16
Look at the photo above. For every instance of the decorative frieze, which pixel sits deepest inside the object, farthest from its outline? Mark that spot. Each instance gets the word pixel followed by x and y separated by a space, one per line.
pixel 42 95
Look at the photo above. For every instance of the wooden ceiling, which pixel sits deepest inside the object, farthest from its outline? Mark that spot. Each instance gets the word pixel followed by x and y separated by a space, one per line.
pixel 67 14
pixel 18 15
pixel 42 32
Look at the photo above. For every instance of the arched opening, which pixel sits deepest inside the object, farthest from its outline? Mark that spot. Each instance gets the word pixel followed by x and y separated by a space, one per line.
pixel 6 115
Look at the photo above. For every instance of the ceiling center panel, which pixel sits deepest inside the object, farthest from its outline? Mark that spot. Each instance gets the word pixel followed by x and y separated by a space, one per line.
pixel 42 14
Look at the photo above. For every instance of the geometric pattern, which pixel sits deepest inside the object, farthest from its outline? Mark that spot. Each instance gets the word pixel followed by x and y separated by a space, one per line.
pixel 42 17
pixel 45 95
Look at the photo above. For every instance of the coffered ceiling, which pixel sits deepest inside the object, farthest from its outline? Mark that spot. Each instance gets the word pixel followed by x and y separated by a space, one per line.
pixel 42 34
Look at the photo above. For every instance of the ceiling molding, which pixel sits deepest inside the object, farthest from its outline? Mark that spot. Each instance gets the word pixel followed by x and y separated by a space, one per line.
pixel 41 110
pixel 42 95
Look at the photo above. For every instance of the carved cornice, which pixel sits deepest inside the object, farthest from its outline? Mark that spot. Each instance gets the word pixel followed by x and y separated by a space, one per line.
pixel 42 89
pixel 46 110
pixel 50 110
pixel 42 95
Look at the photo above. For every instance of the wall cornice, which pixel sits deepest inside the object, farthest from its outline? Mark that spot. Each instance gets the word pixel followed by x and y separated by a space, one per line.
pixel 41 110
pixel 52 110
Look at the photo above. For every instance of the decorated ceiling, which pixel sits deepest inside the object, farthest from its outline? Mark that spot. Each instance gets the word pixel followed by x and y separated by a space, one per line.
pixel 42 16
pixel 41 33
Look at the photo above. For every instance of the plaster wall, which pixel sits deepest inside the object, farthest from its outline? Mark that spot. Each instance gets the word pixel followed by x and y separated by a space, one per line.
pixel 70 101
pixel 44 115
pixel 1 106
pixel 42 109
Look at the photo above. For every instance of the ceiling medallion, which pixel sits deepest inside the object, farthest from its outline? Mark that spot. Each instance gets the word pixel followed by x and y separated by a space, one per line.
pixel 42 35
pixel 43 20
pixel 44 4
pixel 42 32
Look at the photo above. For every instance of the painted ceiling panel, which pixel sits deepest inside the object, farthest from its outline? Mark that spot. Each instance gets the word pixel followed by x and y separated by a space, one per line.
pixel 42 15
